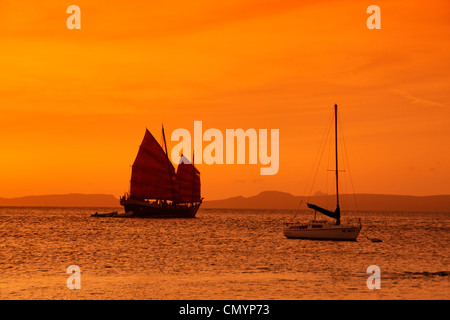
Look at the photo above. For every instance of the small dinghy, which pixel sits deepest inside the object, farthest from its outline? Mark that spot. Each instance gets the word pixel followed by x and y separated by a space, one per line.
pixel 108 214
pixel 114 214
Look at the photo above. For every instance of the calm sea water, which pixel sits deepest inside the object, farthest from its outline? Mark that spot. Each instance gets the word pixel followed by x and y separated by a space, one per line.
pixel 221 254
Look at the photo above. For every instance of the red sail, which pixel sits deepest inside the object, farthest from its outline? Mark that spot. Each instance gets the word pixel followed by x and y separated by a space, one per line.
pixel 188 178
pixel 153 175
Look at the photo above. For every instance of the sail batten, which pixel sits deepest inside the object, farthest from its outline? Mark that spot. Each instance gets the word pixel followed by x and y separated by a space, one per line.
pixel 152 171
pixel 153 175
pixel 147 184
pixel 150 148
pixel 188 178
pixel 160 160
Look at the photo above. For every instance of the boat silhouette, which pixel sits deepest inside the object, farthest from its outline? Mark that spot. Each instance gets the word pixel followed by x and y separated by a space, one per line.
pixel 319 229
pixel 156 190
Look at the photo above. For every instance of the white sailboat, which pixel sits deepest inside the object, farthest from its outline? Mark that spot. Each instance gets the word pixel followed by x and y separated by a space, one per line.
pixel 320 229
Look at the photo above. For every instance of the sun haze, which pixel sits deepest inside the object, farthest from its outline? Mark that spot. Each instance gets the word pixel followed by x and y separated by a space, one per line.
pixel 75 103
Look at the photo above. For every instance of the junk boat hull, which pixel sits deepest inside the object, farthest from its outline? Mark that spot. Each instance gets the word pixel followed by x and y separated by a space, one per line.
pixel 146 209
pixel 330 232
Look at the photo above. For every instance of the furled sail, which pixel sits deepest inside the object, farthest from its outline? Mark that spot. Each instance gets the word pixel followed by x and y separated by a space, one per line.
pixel 335 215
pixel 153 175
pixel 188 178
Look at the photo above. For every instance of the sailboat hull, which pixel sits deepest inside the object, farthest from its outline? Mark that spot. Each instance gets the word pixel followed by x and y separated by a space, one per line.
pixel 332 233
pixel 145 209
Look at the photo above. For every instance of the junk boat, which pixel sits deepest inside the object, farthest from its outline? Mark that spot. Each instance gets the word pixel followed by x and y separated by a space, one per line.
pixel 156 190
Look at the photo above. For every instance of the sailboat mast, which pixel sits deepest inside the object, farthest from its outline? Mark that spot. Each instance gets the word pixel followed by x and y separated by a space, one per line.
pixel 336 148
pixel 168 161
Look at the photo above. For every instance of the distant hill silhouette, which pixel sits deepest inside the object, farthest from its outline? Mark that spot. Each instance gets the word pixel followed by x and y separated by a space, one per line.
pixel 63 200
pixel 264 200
pixel 378 202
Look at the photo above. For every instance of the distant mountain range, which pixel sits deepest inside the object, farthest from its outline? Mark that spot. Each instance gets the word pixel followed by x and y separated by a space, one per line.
pixel 63 200
pixel 378 202
pixel 264 200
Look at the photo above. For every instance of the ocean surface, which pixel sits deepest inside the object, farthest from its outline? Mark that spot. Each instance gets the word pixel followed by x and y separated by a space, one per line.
pixel 221 254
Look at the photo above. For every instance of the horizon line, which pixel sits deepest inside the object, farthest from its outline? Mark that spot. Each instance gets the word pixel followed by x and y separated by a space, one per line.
pixel 229 197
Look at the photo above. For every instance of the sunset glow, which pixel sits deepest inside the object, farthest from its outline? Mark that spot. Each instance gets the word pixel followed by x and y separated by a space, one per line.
pixel 75 103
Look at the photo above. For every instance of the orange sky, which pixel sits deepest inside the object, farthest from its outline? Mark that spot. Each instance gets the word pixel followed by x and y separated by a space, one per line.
pixel 75 103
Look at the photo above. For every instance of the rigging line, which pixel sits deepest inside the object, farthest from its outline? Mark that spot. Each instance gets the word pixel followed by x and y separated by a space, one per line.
pixel 299 208
pixel 321 154
pixel 345 181
pixel 324 198
pixel 329 190
pixel 348 167
pixel 315 160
